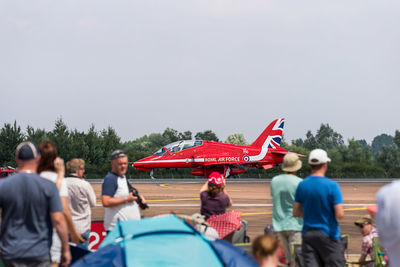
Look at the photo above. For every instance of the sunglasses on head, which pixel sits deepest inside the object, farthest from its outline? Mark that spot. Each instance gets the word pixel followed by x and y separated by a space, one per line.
pixel 118 154
pixel 362 225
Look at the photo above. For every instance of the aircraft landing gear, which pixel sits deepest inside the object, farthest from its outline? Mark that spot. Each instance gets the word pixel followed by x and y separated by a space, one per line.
pixel 151 175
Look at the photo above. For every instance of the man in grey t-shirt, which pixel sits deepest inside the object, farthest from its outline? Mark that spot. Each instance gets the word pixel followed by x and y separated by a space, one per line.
pixel 30 208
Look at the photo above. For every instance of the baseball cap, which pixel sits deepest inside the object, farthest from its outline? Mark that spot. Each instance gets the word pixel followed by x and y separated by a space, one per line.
pixel 291 163
pixel 216 178
pixel 118 154
pixel 318 156
pixel 364 219
pixel 27 151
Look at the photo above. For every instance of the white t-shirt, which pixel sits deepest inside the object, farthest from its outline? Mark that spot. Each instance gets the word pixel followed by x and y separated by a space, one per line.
pixel 55 250
pixel 52 176
pixel 117 187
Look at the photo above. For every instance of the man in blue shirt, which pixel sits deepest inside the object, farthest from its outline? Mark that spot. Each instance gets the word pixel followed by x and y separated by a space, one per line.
pixel 30 207
pixel 319 201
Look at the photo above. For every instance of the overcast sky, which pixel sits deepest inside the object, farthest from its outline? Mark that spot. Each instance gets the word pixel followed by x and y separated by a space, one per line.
pixel 229 66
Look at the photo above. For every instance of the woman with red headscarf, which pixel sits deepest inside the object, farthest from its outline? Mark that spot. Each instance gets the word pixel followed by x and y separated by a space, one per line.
pixel 214 197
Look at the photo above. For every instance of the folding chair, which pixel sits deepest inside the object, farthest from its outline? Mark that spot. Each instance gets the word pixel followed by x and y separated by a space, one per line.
pixel 297 255
pixel 379 253
pixel 345 240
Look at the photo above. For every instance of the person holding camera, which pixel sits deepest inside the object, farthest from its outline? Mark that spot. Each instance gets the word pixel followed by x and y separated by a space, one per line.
pixel 120 203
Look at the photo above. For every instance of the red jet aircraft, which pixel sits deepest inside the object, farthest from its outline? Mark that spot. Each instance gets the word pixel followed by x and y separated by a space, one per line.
pixel 206 157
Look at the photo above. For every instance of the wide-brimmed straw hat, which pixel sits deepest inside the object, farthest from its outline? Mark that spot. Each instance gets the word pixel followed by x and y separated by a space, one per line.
pixel 291 163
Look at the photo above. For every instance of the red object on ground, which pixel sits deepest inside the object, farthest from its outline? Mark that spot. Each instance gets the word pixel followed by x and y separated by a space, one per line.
pixel 225 223
pixel 97 234
pixel 281 253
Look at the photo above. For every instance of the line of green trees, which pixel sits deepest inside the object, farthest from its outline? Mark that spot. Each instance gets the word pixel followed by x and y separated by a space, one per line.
pixel 355 159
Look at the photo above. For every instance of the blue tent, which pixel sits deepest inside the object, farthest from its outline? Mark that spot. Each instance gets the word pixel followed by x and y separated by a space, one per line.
pixel 162 241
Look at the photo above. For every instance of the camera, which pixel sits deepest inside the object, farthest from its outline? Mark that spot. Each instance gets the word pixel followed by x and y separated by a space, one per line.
pixel 135 193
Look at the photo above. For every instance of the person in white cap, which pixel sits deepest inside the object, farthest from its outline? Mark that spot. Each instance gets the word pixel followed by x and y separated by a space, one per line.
pixel 319 201
pixel 283 188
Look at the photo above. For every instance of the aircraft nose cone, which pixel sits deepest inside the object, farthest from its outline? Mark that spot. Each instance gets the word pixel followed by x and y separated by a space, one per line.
pixel 138 163
pixel 143 164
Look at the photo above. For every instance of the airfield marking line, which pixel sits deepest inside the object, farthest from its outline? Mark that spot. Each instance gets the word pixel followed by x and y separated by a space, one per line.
pixel 363 208
pixel 270 212
pixel 242 244
pixel 167 186
pixel 240 204
pixel 256 213
pixel 174 205
pixel 172 199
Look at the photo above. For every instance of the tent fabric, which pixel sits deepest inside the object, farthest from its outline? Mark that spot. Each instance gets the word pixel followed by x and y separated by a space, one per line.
pixel 225 223
pixel 161 241
pixel 171 250
pixel 77 252
pixel 232 256
pixel 146 226
pixel 109 256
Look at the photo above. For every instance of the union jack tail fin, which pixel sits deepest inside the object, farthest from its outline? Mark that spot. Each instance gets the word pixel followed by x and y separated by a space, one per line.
pixel 272 135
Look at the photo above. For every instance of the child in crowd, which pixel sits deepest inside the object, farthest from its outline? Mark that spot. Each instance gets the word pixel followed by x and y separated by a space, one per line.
pixel 265 250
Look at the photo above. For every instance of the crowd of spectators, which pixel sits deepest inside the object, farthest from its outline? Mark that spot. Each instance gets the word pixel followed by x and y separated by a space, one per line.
pixel 35 229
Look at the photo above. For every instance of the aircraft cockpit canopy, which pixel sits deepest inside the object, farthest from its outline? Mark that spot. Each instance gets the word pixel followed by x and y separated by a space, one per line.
pixel 178 146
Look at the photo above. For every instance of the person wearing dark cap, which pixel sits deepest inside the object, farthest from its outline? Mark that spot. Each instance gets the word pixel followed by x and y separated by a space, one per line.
pixel 119 204
pixel 319 201
pixel 368 231
pixel 283 188
pixel 31 207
